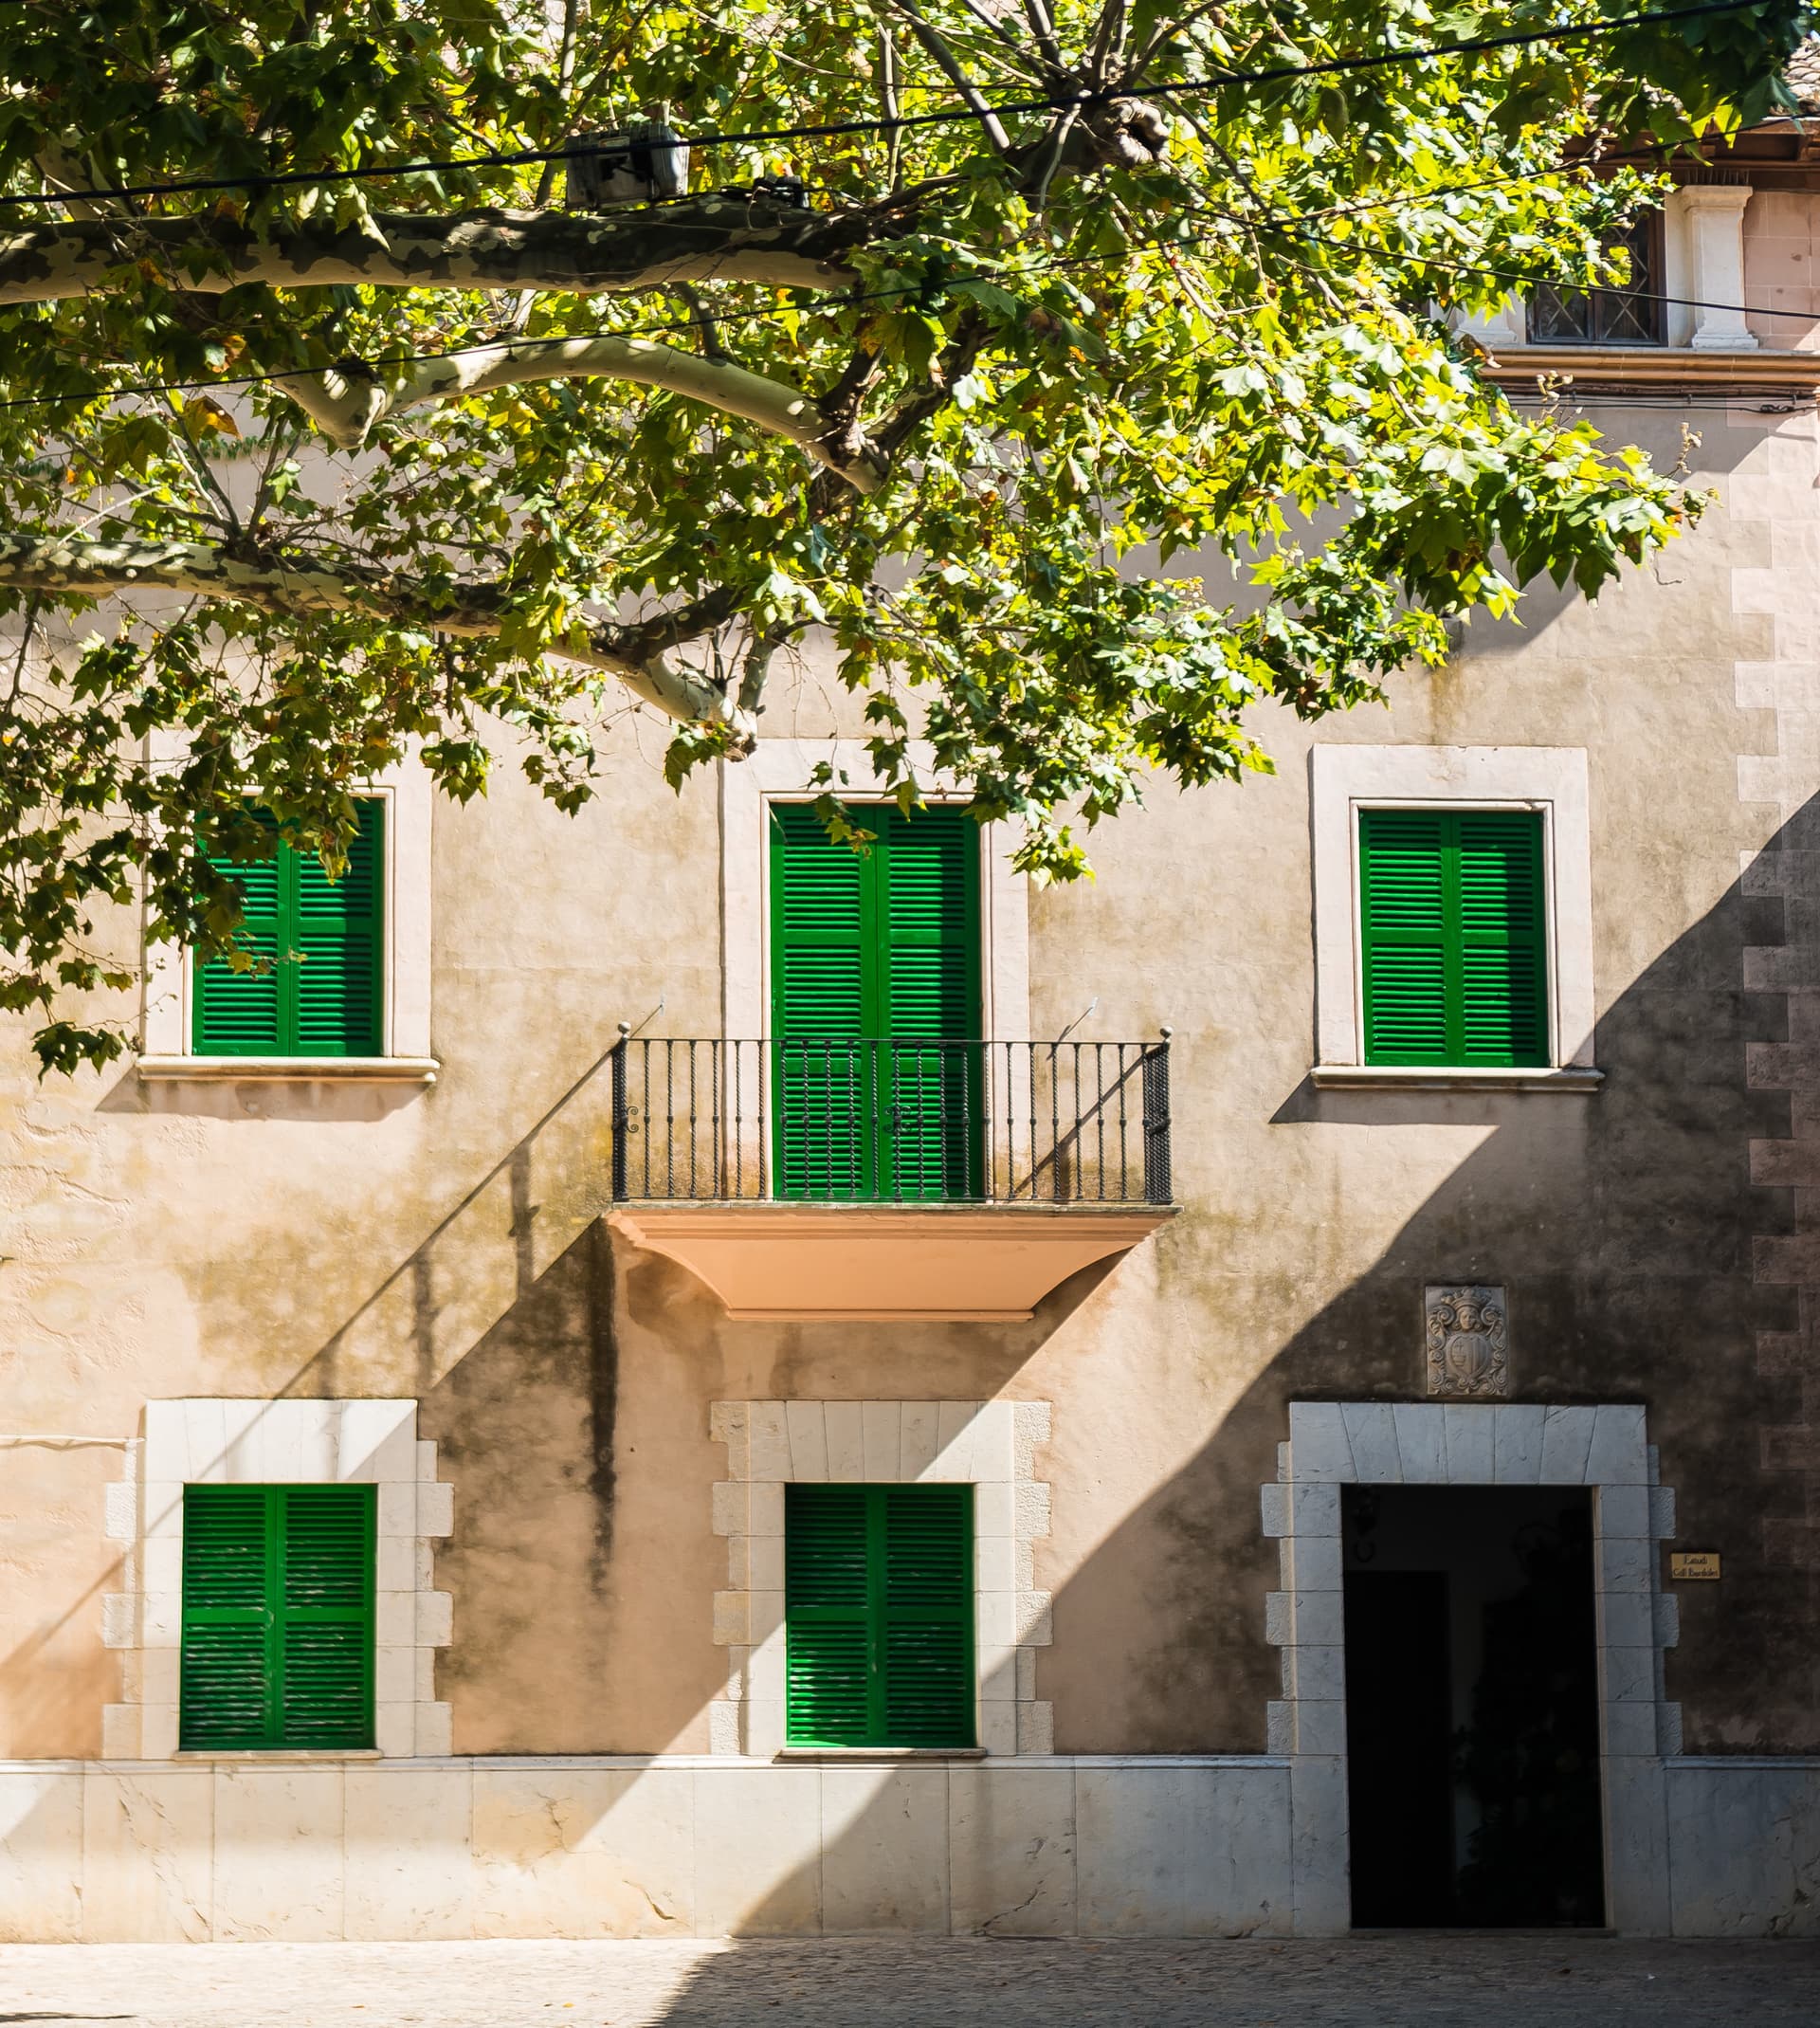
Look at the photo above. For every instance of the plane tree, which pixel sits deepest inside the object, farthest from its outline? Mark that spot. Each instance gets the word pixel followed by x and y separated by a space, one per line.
pixel 460 375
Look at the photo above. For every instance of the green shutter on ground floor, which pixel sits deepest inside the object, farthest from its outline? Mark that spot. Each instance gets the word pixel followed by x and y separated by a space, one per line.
pixel 326 1000
pixel 278 1617
pixel 1453 931
pixel 871 955
pixel 878 1616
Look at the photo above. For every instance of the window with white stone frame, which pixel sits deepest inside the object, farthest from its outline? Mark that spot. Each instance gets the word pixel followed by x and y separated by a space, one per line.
pixel 405 796
pixel 788 771
pixel 220 1443
pixel 1541 792
pixel 989 1446
pixel 1696 291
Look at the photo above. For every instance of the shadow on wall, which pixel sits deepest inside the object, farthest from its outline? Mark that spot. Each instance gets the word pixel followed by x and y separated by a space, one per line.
pixel 1622 1226
pixel 1641 1264
pixel 438 1301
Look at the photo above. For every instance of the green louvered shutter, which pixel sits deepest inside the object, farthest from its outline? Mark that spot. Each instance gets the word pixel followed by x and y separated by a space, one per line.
pixel 867 949
pixel 928 875
pixel 1503 1006
pixel 828 1616
pixel 229 1650
pixel 327 1604
pixel 337 926
pixel 928 1631
pixel 237 1012
pixel 824 1002
pixel 1454 936
pixel 278 1617
pixel 878 1616
pixel 328 1002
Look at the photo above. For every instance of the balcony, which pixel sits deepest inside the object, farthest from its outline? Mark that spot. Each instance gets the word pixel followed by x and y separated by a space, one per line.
pixel 902 1179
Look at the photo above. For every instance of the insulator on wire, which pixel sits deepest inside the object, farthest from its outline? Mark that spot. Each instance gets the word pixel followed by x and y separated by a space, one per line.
pixel 788 191
pixel 627 165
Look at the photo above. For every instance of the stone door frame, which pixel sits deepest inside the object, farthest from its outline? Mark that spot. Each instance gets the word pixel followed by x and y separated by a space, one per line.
pixel 1605 1448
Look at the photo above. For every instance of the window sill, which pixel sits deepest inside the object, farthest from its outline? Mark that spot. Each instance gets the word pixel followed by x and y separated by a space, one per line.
pixel 290 1070
pixel 278 1753
pixel 1442 1077
pixel 879 1753
pixel 1652 365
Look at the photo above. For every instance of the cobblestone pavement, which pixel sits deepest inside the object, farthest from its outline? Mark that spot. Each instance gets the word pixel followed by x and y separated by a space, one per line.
pixel 1532 1981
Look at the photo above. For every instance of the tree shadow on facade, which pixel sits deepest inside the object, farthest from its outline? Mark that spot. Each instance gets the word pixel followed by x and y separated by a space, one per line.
pixel 1651 1253
pixel 1642 1261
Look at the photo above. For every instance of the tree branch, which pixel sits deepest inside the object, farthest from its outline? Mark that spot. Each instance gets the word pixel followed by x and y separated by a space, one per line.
pixel 956 358
pixel 1043 30
pixel 343 402
pixel 717 238
pixel 770 404
pixel 1040 172
pixel 949 64
pixel 991 23
pixel 888 107
pixel 696 303
pixel 1165 30
pixel 63 566
pixel 765 642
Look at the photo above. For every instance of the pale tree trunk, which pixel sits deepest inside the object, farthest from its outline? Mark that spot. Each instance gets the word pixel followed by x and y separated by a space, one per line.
pixel 347 407
pixel 57 566
pixel 706 239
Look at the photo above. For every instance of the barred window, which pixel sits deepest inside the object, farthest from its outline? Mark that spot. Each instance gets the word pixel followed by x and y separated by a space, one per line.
pixel 1629 315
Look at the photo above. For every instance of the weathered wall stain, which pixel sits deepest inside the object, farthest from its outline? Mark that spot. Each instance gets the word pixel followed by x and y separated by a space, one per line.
pixel 451 1247
pixel 603 1387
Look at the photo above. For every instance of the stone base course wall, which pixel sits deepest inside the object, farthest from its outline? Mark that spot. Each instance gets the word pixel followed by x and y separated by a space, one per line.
pixel 676 1846
pixel 307 1850
pixel 1744 1846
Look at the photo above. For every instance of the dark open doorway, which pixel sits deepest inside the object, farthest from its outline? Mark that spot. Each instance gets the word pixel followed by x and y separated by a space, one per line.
pixel 1472 1716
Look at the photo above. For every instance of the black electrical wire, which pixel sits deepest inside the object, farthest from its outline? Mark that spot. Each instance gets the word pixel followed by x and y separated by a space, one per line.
pixel 490 345
pixel 1287 225
pixel 523 157
pixel 1291 227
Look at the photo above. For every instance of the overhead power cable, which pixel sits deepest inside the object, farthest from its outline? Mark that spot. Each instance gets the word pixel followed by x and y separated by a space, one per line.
pixel 829 130
pixel 1287 224
pixel 1518 277
pixel 672 326
pixel 509 342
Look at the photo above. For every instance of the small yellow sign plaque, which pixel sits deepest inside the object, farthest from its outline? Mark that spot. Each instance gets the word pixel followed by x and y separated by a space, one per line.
pixel 1693 1563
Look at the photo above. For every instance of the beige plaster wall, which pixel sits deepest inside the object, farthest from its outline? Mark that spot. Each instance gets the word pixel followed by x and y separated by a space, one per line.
pixel 1780 274
pixel 445 1243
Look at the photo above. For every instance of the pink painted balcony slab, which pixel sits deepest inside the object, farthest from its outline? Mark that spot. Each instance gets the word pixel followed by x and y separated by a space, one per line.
pixel 915 1178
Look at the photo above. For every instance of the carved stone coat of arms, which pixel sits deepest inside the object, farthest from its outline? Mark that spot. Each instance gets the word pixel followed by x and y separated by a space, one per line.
pixel 1468 1341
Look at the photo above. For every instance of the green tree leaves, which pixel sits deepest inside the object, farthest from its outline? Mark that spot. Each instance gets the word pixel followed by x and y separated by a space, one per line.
pixel 1158 433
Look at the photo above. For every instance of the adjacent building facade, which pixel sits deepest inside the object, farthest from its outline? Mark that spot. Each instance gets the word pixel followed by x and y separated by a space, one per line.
pixel 671 1380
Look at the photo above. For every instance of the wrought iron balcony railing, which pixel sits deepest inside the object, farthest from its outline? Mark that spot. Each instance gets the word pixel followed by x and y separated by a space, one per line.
pixel 908 1120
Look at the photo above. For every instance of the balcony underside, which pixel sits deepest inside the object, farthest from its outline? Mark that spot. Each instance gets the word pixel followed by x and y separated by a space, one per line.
pixel 774 1262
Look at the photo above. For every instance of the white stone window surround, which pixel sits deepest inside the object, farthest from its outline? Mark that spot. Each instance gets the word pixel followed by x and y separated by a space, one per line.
pixel 1702 280
pixel 782 771
pixel 1549 779
pixel 1334 1444
pixel 989 1445
pixel 409 796
pixel 229 1442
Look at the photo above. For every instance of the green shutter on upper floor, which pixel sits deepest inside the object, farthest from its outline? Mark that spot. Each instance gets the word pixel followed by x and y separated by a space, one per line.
pixel 873 954
pixel 278 1618
pixel 1453 928
pixel 328 999
pixel 878 1616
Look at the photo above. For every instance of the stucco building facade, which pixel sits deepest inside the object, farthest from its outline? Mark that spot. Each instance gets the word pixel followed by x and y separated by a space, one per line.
pixel 1334 1306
